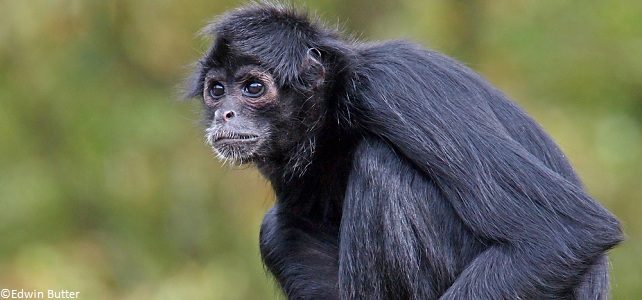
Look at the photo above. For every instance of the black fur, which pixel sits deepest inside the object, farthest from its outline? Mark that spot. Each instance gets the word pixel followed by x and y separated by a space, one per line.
pixel 408 176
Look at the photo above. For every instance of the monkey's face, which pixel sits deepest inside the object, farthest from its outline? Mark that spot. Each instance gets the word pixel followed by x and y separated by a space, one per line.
pixel 257 108
pixel 250 118
pixel 240 106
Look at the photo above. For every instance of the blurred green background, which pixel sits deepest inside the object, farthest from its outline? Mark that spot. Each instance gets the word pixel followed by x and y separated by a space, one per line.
pixel 107 188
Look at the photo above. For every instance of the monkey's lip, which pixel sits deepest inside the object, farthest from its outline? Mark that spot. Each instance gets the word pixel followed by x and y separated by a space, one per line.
pixel 236 138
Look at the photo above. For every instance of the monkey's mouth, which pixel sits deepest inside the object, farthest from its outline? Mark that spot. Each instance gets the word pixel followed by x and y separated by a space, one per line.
pixel 233 146
pixel 234 138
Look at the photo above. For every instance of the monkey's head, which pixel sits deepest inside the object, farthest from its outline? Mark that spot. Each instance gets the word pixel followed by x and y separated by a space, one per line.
pixel 263 84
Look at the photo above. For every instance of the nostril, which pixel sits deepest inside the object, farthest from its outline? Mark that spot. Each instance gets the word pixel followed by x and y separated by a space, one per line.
pixel 229 115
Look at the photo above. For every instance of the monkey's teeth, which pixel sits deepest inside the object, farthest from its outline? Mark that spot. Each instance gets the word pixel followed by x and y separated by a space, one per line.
pixel 235 136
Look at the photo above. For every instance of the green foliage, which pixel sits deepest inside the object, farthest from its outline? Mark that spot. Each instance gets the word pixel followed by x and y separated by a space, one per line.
pixel 106 187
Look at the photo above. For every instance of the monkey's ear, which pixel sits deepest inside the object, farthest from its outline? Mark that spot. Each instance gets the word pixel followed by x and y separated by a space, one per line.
pixel 312 71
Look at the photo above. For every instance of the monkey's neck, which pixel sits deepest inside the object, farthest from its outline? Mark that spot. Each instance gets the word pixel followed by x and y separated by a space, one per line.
pixel 318 192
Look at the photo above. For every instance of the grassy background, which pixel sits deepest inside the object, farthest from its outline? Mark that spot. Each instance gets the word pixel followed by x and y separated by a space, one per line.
pixel 107 188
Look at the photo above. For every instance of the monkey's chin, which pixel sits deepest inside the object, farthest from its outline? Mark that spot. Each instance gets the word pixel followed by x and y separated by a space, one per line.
pixel 236 151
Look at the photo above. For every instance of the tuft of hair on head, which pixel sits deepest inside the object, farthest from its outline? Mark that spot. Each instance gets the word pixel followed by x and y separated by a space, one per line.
pixel 279 37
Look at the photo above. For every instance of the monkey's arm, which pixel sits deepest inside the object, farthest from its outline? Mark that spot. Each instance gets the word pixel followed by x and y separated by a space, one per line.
pixel 300 255
pixel 395 238
pixel 545 231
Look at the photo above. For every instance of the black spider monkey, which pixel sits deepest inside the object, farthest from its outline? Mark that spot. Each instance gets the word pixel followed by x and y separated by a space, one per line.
pixel 399 173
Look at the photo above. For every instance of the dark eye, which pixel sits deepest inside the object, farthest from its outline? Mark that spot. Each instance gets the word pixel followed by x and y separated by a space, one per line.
pixel 253 89
pixel 217 90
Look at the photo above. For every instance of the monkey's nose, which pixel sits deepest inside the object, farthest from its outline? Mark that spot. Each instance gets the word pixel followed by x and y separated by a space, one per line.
pixel 224 116
pixel 228 115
